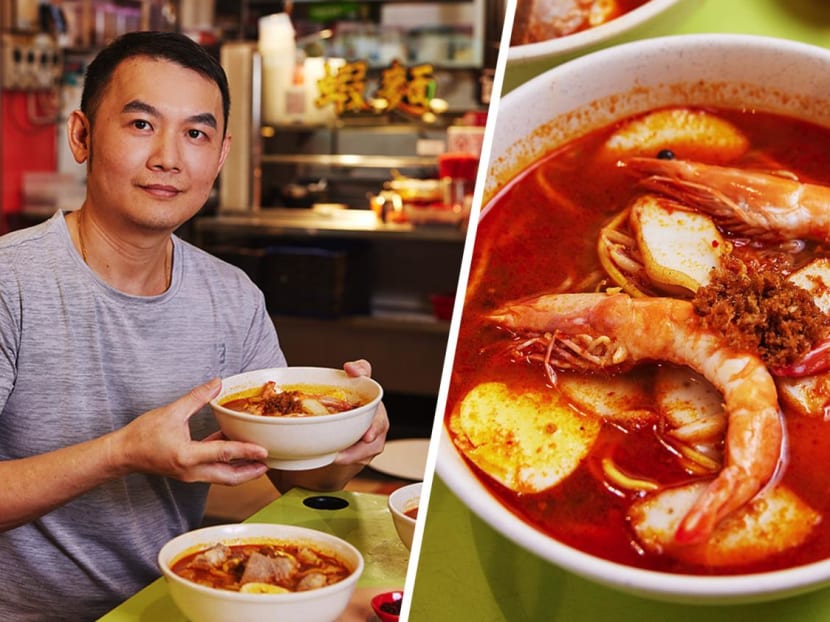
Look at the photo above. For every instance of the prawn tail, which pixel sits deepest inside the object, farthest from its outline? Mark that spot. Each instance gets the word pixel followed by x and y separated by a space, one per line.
pixel 730 490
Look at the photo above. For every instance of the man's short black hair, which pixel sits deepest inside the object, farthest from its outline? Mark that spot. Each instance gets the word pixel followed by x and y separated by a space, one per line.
pixel 170 46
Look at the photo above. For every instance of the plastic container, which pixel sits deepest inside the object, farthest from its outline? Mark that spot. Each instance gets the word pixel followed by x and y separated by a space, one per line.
pixel 465 138
pixel 277 47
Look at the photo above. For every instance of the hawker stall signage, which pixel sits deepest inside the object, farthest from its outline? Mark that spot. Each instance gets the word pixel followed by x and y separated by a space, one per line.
pixel 408 89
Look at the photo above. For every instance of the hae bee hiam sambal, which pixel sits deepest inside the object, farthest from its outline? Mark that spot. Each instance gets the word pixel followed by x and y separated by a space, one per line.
pixel 267 567
pixel 295 400
pixel 643 363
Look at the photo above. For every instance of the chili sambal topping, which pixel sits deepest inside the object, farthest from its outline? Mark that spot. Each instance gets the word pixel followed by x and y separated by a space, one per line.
pixel 284 402
pixel 761 311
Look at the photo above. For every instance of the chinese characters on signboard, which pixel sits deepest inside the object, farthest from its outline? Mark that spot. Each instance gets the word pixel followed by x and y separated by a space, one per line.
pixel 406 89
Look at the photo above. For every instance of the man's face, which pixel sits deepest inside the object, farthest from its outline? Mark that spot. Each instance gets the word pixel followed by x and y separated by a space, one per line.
pixel 156 145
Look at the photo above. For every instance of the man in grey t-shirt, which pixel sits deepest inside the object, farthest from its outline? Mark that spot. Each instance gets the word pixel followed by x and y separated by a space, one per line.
pixel 113 335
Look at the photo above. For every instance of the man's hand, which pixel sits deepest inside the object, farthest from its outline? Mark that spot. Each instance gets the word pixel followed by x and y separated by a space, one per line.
pixel 159 442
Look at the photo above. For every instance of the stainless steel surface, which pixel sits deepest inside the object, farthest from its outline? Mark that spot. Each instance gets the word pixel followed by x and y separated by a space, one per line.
pixel 350 160
pixel 307 222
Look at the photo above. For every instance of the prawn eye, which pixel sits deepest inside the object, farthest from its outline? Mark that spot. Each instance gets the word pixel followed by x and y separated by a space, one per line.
pixel 665 154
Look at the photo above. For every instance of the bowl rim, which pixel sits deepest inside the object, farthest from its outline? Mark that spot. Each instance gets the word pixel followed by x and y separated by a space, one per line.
pixel 346 414
pixel 453 469
pixel 238 531
pixel 514 103
pixel 593 36
pixel 673 587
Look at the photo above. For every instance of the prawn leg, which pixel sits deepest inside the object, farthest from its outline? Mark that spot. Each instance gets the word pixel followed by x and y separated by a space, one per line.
pixel 758 204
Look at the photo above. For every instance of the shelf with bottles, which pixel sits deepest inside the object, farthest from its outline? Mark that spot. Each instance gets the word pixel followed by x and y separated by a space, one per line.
pixel 356 151
pixel 354 142
pixel 445 34
pixel 91 24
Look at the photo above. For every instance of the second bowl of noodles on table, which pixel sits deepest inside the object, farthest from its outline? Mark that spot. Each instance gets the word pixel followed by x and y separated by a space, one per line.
pixel 649 295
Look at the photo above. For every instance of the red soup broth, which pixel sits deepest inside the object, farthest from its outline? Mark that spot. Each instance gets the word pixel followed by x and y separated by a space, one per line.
pixel 540 230
pixel 226 574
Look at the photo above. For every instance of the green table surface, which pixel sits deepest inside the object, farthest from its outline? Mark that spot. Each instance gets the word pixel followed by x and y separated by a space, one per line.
pixel 468 571
pixel 366 523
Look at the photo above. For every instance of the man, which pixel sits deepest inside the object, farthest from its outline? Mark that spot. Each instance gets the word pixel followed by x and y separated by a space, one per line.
pixel 104 316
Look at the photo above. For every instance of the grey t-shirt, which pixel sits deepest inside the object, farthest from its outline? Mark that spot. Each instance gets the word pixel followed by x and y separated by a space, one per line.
pixel 79 359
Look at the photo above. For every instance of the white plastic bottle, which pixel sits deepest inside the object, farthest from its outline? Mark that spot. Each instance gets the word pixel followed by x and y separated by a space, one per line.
pixel 277 47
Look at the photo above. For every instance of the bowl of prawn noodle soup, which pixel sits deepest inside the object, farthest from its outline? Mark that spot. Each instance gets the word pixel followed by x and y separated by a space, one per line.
pixel 203 603
pixel 767 87
pixel 539 37
pixel 300 441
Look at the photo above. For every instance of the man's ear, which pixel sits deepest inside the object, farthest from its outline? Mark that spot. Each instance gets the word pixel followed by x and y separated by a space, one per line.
pixel 226 147
pixel 78 131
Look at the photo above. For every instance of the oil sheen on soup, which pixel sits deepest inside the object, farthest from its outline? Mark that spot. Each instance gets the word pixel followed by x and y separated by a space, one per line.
pixel 294 400
pixel 581 450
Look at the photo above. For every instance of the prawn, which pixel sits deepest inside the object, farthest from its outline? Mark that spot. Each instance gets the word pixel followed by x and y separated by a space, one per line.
pixel 607 331
pixel 766 206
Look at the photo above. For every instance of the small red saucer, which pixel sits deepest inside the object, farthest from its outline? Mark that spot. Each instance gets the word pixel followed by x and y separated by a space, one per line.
pixel 387 605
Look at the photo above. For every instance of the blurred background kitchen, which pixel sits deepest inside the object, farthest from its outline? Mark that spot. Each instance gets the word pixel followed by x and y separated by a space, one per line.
pixel 357 128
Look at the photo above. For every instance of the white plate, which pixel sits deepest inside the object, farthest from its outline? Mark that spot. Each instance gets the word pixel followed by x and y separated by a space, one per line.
pixel 405 458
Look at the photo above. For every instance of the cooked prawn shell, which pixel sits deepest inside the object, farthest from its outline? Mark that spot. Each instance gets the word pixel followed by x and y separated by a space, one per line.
pixel 764 205
pixel 608 331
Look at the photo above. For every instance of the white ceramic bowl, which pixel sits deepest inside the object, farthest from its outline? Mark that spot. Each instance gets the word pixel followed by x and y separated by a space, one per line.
pixel 653 18
pixel 204 604
pixel 590 92
pixel 296 443
pixel 401 501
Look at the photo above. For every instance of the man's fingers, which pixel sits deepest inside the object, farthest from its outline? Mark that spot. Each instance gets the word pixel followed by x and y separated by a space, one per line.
pixel 231 473
pixel 360 367
pixel 231 451
pixel 379 425
pixel 206 392
pixel 198 397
